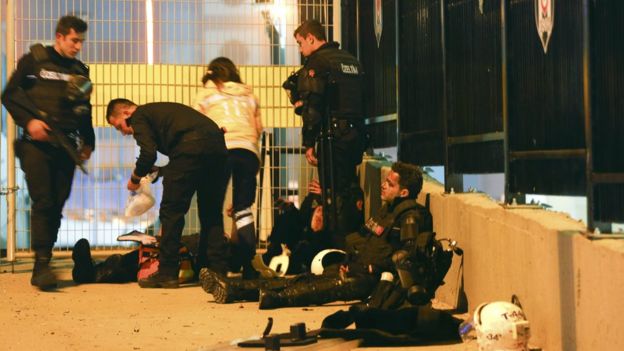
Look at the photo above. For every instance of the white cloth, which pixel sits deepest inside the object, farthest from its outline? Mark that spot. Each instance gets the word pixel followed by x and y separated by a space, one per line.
pixel 142 200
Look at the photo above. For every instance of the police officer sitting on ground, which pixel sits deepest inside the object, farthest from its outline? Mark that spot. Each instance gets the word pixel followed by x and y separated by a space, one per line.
pixel 302 231
pixel 43 87
pixel 197 155
pixel 328 91
pixel 369 253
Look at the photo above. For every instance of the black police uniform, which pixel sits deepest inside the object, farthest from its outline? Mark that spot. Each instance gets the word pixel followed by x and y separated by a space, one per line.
pixel 41 84
pixel 372 247
pixel 197 163
pixel 397 223
pixel 331 82
pixel 417 259
pixel 369 253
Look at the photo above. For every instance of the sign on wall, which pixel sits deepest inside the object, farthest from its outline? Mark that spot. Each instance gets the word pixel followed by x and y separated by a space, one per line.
pixel 544 20
pixel 378 21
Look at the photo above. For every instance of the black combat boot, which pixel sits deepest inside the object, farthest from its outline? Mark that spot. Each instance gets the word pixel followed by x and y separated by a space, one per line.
pixel 42 276
pixel 226 290
pixel 84 269
pixel 317 292
pixel 165 278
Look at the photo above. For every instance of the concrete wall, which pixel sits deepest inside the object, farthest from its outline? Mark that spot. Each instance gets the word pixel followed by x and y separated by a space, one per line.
pixel 571 289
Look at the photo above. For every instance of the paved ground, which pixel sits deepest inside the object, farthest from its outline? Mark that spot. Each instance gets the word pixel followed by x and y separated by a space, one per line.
pixel 125 317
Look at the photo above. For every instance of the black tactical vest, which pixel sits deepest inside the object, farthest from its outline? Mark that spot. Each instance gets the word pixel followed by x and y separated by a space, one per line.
pixel 343 82
pixel 383 234
pixel 49 92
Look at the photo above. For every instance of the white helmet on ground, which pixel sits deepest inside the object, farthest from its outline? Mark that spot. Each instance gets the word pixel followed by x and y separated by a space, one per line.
pixel 280 264
pixel 497 326
pixel 322 258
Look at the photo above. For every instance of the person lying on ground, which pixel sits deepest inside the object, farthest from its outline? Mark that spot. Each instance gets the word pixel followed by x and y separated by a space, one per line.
pixel 123 268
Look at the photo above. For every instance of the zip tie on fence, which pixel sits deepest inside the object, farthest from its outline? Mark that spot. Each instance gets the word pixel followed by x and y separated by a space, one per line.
pixel 7 191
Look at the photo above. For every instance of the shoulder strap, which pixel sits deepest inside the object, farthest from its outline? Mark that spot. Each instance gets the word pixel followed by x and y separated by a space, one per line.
pixel 40 54
pixel 402 208
pixel 410 205
pixel 422 231
pixel 81 68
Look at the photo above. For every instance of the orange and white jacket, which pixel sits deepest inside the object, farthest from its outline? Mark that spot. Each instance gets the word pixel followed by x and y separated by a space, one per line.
pixel 235 108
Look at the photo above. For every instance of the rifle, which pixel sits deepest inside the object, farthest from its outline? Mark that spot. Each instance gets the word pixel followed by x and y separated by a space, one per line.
pixel 19 98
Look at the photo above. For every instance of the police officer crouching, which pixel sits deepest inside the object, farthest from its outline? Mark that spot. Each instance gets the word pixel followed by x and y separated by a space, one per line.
pixel 48 96
pixel 327 93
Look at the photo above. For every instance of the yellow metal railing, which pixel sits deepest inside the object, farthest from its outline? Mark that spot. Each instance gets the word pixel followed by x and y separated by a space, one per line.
pixel 143 83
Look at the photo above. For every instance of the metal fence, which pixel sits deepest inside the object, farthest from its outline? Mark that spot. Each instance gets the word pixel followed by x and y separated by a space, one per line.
pixel 157 50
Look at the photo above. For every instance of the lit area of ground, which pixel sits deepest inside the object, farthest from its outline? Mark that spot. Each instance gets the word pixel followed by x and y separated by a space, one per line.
pixel 126 317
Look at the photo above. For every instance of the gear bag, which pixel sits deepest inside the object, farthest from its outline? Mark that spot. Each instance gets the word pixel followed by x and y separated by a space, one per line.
pixel 148 262
pixel 149 253
pixel 419 325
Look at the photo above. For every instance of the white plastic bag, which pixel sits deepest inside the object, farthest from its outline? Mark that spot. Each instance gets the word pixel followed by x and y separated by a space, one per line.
pixel 142 200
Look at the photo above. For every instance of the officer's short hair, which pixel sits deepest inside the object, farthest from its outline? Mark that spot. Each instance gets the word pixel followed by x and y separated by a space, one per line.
pixel 313 27
pixel 66 23
pixel 410 177
pixel 113 107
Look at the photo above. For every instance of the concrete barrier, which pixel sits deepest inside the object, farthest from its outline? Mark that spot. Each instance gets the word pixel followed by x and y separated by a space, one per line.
pixel 571 288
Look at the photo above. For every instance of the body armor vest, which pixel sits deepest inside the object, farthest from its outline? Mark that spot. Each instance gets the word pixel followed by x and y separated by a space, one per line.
pixel 341 83
pixel 382 234
pixel 408 219
pixel 50 90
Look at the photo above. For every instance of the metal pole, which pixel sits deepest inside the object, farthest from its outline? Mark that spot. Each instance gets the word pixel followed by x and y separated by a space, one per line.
pixel 504 97
pixel 11 134
pixel 447 175
pixel 397 43
pixel 337 21
pixel 589 167
pixel 357 29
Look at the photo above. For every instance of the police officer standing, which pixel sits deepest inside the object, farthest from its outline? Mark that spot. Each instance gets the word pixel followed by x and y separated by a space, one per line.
pixel 197 163
pixel 328 96
pixel 44 99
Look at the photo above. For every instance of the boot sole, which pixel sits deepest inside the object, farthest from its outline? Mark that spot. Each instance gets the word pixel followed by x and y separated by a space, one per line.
pixel 214 286
pixel 221 294
pixel 207 280
pixel 218 288
pixel 83 270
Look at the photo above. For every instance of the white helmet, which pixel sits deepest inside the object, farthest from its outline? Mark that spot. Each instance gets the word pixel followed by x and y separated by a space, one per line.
pixel 498 326
pixel 280 264
pixel 318 265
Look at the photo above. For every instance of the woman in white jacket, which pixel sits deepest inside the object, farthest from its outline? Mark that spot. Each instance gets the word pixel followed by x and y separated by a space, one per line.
pixel 233 106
